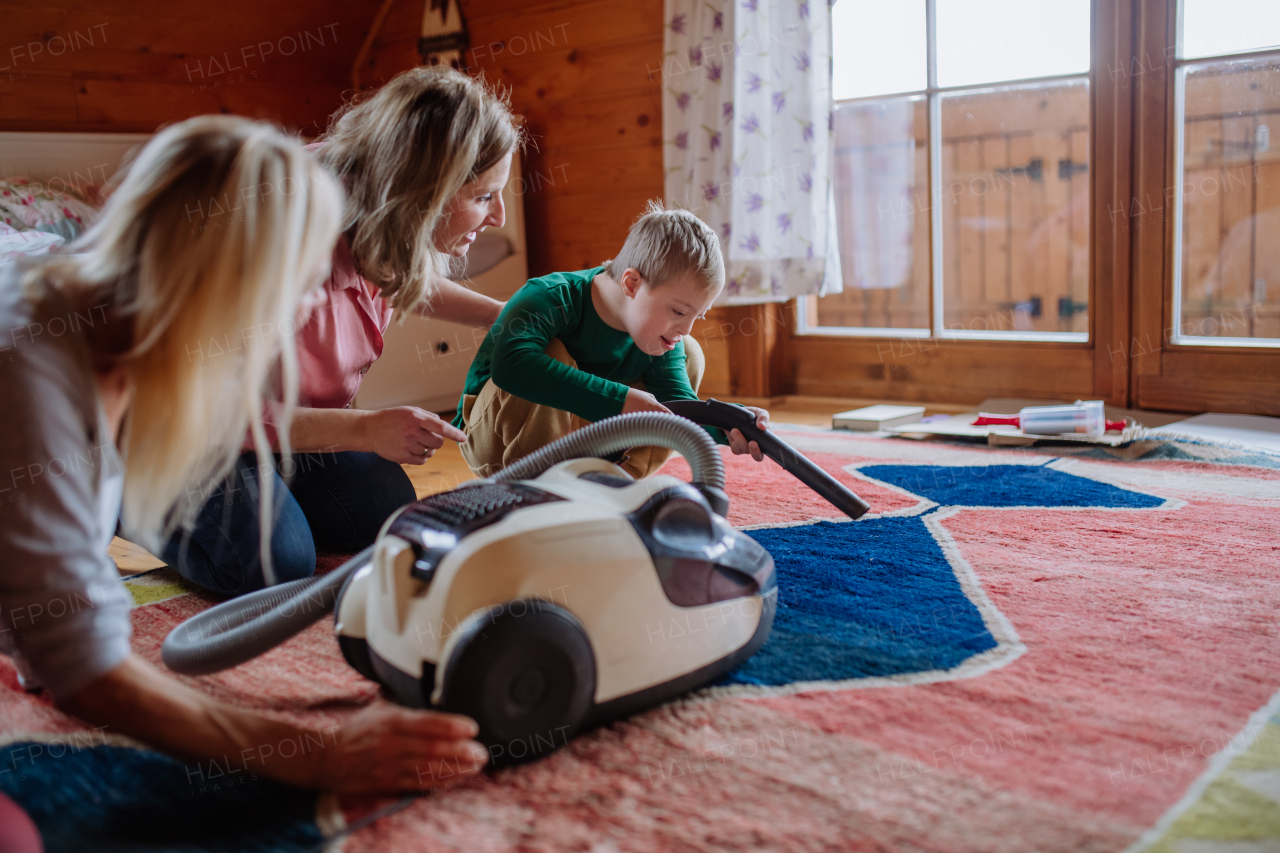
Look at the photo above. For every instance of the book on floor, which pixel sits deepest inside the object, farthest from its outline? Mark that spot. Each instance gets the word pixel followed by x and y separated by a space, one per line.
pixel 872 418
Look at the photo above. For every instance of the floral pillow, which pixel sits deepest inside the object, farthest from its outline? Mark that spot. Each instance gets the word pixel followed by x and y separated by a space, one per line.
pixel 28 205
pixel 15 243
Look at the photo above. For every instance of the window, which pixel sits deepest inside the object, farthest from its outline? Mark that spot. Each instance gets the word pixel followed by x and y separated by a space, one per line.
pixel 962 170
pixel 1226 255
pixel 1056 199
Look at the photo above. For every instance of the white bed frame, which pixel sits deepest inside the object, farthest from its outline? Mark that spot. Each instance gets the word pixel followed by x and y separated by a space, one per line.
pixel 75 159
pixel 424 362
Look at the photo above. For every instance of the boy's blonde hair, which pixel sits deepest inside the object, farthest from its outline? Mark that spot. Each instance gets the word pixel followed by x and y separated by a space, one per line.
pixel 203 251
pixel 667 245
pixel 402 154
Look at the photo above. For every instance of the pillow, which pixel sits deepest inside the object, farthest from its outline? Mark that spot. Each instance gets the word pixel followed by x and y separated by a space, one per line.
pixel 14 243
pixel 28 205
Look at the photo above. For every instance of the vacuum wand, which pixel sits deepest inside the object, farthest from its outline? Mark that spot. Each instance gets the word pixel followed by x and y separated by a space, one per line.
pixel 728 416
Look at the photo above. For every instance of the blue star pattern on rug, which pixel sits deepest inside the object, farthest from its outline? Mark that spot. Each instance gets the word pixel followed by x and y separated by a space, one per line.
pixel 1007 486
pixel 892 597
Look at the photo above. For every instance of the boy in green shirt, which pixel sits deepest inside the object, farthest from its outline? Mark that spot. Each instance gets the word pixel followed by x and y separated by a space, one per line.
pixel 577 347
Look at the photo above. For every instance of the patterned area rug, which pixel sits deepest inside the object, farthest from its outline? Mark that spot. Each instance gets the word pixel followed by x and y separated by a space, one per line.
pixel 1026 649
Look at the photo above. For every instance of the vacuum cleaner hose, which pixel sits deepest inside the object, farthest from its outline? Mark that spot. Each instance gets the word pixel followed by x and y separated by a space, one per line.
pixel 245 627
pixel 623 432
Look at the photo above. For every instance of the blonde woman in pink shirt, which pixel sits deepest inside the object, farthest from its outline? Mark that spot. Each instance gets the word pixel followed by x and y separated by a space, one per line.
pixel 423 162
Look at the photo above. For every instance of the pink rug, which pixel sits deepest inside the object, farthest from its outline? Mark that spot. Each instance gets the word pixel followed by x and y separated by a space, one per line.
pixel 1016 650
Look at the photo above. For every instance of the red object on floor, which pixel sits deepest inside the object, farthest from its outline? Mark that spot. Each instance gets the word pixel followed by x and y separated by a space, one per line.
pixel 1015 420
pixel 17 833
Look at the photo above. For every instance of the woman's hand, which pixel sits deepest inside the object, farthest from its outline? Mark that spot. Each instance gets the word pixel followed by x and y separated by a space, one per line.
pixel 641 401
pixel 406 434
pixel 738 442
pixel 385 748
pixel 382 749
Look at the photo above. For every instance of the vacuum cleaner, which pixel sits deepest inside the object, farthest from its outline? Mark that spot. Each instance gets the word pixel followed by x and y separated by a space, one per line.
pixel 554 596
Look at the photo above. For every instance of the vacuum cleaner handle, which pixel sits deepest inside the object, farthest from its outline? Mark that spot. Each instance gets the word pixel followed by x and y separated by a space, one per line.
pixel 728 416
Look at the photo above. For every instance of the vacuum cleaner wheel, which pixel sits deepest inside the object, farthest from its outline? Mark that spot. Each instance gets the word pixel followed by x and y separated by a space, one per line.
pixel 356 651
pixel 527 675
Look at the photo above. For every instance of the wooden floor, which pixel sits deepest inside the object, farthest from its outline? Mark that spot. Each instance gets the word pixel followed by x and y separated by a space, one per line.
pixel 446 470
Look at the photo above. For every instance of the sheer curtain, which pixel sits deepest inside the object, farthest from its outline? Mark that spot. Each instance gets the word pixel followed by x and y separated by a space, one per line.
pixel 747 127
pixel 879 178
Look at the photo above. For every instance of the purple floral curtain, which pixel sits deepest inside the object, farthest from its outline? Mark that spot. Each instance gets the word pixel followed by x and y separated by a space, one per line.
pixel 748 139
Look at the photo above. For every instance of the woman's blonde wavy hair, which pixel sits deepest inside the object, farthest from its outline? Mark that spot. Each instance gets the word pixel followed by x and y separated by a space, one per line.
pixel 402 154
pixel 202 252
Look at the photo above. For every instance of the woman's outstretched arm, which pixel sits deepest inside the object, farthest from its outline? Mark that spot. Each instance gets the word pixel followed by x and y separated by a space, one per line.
pixel 455 303
pixel 382 749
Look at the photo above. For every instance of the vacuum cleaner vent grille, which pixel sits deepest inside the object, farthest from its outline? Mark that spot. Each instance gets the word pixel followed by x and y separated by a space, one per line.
pixel 434 524
pixel 460 509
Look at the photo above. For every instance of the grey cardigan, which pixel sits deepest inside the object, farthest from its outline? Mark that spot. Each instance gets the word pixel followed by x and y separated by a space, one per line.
pixel 63 607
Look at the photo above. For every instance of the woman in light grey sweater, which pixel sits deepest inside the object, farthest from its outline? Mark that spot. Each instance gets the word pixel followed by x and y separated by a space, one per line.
pixel 220 232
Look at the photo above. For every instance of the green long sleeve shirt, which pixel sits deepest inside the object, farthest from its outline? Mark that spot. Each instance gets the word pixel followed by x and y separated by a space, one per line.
pixel 513 354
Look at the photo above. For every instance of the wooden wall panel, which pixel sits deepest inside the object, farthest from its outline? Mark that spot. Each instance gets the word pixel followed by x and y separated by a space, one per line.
pixel 117 66
pixel 585 76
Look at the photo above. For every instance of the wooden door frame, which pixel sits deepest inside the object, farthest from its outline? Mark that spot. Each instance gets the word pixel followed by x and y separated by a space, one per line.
pixel 1165 375
pixel 1115 61
pixel 770 364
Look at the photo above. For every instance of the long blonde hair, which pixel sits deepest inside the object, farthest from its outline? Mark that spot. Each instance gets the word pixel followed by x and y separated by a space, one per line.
pixel 402 154
pixel 203 249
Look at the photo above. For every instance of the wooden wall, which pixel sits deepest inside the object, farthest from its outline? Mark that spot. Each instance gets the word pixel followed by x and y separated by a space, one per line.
pixel 579 72
pixel 134 65
pixel 583 73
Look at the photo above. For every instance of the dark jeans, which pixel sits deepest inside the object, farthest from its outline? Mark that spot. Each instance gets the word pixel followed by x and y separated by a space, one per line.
pixel 334 502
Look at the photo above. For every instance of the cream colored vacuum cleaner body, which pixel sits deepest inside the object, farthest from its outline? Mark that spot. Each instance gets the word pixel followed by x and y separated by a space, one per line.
pixel 537 607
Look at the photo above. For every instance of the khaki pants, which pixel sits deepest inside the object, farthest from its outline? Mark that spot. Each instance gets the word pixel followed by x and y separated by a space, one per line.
pixel 502 428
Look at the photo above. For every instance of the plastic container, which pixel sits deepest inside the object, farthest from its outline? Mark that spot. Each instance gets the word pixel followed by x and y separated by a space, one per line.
pixel 1084 417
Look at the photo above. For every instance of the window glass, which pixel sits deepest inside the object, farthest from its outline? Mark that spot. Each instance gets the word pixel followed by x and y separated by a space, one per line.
pixel 1215 27
pixel 878 48
pixel 1009 212
pixel 987 41
pixel 1228 274
pixel 882 216
pixel 1014 203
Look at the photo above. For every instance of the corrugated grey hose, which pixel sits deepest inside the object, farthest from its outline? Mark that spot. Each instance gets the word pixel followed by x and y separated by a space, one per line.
pixel 637 429
pixel 245 627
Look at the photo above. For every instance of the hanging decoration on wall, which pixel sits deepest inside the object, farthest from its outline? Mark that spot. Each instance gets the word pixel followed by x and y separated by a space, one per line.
pixel 747 133
pixel 444 39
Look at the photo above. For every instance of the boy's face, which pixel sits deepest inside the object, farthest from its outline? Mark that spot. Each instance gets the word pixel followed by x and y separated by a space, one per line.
pixel 658 317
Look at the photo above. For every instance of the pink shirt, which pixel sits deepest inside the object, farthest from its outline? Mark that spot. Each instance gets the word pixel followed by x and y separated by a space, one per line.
pixel 342 337
pixel 337 342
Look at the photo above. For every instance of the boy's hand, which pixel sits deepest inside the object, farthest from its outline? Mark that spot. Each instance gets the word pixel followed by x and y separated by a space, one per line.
pixel 407 435
pixel 738 442
pixel 641 401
